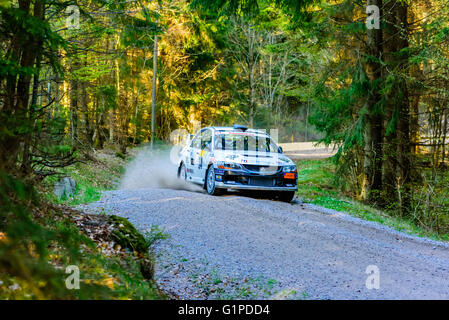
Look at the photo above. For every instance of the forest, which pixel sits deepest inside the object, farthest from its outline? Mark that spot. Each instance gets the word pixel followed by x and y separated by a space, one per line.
pixel 83 75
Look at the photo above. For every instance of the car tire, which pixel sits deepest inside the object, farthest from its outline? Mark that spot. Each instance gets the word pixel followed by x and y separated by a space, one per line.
pixel 210 182
pixel 286 196
pixel 182 172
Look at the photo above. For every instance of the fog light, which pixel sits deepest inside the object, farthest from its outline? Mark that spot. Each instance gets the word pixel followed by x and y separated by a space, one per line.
pixel 218 177
pixel 289 175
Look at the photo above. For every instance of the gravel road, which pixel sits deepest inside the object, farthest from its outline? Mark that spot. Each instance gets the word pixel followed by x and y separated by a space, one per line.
pixel 244 248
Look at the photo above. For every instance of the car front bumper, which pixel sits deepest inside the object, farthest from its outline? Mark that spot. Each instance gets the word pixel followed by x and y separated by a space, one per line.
pixel 244 180
pixel 222 185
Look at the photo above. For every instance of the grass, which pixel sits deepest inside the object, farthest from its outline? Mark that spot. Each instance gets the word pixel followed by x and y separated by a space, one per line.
pixel 92 178
pixel 316 186
pixel 155 234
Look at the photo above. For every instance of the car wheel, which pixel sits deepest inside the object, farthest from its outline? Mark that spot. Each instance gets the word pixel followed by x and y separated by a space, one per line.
pixel 210 182
pixel 286 196
pixel 182 172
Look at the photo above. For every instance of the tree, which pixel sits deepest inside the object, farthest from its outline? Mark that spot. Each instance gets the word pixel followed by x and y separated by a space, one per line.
pixel 373 133
pixel 397 155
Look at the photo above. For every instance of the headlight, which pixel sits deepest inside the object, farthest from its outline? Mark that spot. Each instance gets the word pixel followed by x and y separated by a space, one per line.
pixel 229 165
pixel 289 168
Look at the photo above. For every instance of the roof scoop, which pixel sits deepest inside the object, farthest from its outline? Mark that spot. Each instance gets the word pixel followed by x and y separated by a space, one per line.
pixel 240 127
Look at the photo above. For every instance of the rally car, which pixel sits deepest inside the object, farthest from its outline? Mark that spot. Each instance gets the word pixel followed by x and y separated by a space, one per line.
pixel 222 158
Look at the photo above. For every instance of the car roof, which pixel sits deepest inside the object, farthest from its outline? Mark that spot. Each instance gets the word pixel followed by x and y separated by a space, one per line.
pixel 237 130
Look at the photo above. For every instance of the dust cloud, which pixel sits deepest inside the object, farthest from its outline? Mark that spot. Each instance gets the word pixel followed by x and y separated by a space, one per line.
pixel 154 169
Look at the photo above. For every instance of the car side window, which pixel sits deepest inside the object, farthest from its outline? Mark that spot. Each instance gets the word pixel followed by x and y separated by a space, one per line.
pixel 206 139
pixel 196 143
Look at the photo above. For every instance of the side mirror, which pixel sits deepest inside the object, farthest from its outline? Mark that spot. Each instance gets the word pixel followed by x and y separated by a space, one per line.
pixel 280 150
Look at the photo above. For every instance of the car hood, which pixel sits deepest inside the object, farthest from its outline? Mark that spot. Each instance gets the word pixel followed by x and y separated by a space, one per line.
pixel 253 157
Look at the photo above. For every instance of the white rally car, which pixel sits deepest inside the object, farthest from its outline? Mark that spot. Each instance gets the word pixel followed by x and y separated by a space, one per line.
pixel 221 158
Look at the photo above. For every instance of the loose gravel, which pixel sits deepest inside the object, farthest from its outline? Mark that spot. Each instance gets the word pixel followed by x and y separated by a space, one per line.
pixel 244 248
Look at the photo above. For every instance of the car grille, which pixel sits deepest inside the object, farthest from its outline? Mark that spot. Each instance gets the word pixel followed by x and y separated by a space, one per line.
pixel 262 169
pixel 261 181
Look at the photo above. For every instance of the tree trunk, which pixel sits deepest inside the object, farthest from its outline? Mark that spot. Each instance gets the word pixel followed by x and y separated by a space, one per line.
pixel 74 111
pixel 372 183
pixel 88 130
pixel 443 148
pixel 154 91
pixel 15 112
pixel 397 153
pixel 26 157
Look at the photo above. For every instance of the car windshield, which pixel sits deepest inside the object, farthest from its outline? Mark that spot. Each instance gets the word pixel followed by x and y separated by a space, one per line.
pixel 244 141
